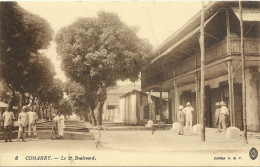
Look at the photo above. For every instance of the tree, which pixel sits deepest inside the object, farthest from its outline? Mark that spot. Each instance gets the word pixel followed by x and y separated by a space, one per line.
pixel 65 107
pixel 23 35
pixel 77 96
pixel 5 93
pixel 96 52
pixel 50 94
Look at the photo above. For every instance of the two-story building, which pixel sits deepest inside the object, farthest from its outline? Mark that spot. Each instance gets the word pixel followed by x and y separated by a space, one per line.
pixel 175 67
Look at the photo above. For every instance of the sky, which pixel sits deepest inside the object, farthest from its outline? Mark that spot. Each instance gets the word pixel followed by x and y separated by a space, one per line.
pixel 156 20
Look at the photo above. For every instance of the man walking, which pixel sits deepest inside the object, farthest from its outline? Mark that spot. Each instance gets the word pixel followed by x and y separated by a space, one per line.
pixel 23 121
pixel 181 119
pixel 217 114
pixel 8 119
pixel 223 115
pixel 32 121
pixel 188 110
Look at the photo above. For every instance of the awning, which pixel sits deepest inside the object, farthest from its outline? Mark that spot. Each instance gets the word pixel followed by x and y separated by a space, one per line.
pixel 248 14
pixel 185 38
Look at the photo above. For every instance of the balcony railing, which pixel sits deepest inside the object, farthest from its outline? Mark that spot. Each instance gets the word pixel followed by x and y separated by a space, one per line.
pixel 213 53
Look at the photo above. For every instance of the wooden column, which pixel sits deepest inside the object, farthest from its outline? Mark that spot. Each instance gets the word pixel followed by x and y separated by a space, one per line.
pixel 150 104
pixel 170 106
pixel 243 72
pixel 228 33
pixel 231 92
pixel 202 78
pixel 160 105
pixel 230 74
pixel 197 89
pixel 175 100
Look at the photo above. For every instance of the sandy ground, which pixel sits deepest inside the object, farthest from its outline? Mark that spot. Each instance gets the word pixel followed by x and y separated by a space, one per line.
pixel 128 148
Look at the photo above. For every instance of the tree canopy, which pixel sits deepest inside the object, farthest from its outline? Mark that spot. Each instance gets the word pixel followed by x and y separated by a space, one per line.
pixel 24 67
pixel 23 35
pixel 96 52
pixel 65 107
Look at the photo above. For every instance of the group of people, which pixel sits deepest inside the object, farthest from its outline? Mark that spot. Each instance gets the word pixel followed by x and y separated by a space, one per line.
pixel 221 116
pixel 27 119
pixel 185 116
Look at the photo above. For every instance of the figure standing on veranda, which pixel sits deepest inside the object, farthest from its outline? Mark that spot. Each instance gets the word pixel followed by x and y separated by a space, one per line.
pixel 188 110
pixel 224 113
pixel 181 119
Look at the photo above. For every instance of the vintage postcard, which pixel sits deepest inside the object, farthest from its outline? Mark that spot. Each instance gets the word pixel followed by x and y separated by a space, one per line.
pixel 130 83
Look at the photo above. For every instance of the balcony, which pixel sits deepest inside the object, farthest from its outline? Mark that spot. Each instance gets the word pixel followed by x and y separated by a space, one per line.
pixel 215 52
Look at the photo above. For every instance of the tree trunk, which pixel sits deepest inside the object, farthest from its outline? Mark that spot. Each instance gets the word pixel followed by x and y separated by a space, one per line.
pixel 13 99
pixel 102 98
pixel 21 100
pixel 100 112
pixel 86 116
pixel 96 112
pixel 50 117
pixel 46 112
pixel 93 119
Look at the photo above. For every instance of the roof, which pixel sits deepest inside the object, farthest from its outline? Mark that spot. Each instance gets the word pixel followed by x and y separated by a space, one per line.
pixel 122 89
pixel 210 9
pixel 154 94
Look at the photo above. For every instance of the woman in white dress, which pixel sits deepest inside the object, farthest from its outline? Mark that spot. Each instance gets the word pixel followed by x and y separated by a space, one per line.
pixel 61 125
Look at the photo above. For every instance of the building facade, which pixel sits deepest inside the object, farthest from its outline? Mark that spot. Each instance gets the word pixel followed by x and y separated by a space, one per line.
pixel 175 67
pixel 135 108
pixel 111 105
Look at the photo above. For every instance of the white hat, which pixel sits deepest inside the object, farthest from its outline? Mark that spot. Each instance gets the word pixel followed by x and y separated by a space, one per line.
pixel 217 104
pixel 222 103
pixel 180 107
pixel 24 108
pixel 188 104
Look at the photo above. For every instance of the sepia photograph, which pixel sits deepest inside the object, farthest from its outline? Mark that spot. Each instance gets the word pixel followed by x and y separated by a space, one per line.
pixel 129 83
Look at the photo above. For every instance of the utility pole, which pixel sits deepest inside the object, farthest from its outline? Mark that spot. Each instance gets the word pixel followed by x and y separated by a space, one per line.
pixel 202 78
pixel 243 72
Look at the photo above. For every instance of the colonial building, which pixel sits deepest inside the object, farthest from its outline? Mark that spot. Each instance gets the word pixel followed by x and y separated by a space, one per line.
pixel 111 106
pixel 175 67
pixel 134 108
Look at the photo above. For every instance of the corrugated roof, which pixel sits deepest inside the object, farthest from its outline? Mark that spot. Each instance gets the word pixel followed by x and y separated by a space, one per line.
pixel 210 9
pixel 122 89
pixel 154 94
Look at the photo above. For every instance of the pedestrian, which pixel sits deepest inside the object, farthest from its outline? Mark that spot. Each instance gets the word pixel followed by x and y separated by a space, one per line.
pixel 32 122
pixel 181 119
pixel 217 115
pixel 8 119
pixel 223 116
pixel 23 121
pixel 61 125
pixel 188 110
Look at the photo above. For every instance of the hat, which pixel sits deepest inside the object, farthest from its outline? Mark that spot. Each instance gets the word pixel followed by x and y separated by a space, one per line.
pixel 222 103
pixel 217 104
pixel 180 107
pixel 24 108
pixel 188 104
